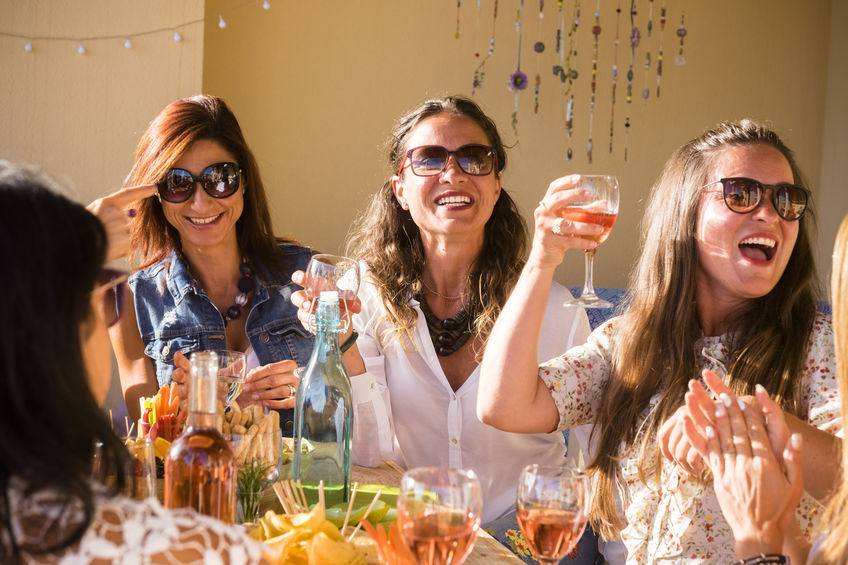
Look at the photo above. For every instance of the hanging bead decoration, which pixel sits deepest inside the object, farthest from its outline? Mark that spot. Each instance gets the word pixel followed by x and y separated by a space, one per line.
pixel 680 60
pixel 539 48
pixel 458 5
pixel 517 80
pixel 645 90
pixel 635 36
pixel 660 52
pixel 567 73
pixel 614 73
pixel 596 31
pixel 480 71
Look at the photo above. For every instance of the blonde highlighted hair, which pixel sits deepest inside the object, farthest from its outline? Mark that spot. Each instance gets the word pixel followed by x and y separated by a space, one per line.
pixel 835 546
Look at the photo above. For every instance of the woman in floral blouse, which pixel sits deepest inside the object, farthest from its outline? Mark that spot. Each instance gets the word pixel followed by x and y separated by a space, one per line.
pixel 724 281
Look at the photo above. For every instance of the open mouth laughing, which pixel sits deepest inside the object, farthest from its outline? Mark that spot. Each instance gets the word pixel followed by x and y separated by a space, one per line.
pixel 758 248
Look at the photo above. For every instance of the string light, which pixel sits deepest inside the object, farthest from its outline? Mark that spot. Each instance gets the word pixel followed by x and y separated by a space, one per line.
pixel 126 40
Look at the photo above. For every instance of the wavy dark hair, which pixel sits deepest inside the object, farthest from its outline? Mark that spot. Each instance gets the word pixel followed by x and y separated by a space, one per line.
pixel 53 250
pixel 166 139
pixel 387 239
pixel 654 349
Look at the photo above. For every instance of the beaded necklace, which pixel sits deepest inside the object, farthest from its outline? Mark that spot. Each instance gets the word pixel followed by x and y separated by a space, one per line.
pixel 450 334
pixel 246 284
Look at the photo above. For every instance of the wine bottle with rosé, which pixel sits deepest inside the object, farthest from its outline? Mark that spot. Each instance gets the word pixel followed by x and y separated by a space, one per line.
pixel 201 466
pixel 551 505
pixel 601 208
pixel 439 514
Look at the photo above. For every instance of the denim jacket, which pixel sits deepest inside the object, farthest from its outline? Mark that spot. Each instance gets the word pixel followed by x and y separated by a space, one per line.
pixel 175 314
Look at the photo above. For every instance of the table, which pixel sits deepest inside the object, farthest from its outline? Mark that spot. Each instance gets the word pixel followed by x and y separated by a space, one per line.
pixel 487 550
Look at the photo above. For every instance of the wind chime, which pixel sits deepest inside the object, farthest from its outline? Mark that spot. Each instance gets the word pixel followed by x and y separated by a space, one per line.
pixel 565 67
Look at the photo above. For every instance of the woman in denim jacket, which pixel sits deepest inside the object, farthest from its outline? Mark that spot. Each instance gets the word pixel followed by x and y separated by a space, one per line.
pixel 213 275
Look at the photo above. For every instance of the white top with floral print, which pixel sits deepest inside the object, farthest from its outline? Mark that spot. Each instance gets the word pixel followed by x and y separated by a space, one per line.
pixel 124 531
pixel 679 519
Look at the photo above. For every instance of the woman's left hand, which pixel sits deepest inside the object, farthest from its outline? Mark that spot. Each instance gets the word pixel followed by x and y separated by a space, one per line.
pixel 757 496
pixel 273 385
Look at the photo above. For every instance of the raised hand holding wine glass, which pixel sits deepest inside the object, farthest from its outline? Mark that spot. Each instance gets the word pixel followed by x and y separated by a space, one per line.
pixel 332 272
pixel 439 512
pixel 552 504
pixel 602 209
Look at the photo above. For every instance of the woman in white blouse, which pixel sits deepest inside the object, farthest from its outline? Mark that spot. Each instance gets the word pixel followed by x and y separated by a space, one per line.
pixel 441 245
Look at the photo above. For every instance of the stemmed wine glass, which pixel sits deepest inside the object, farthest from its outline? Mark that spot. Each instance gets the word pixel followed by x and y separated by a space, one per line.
pixel 552 504
pixel 602 209
pixel 439 512
pixel 331 272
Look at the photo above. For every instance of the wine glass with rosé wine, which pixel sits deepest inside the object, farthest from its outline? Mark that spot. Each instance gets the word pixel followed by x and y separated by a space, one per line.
pixel 438 513
pixel 332 272
pixel 552 504
pixel 601 209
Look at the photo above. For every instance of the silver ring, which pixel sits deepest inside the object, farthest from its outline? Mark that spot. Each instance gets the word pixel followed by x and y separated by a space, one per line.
pixel 557 227
pixel 543 205
pixel 292 391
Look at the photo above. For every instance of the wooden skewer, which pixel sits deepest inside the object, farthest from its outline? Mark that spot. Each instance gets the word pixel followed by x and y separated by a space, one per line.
pixel 364 516
pixel 302 496
pixel 349 506
pixel 111 420
pixel 281 496
pixel 127 424
pixel 293 502
pixel 320 493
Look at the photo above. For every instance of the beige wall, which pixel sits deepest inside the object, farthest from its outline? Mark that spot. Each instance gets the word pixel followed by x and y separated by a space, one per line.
pixel 318 85
pixel 833 203
pixel 80 116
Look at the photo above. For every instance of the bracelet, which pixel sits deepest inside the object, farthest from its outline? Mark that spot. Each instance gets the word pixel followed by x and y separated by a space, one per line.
pixel 764 558
pixel 349 342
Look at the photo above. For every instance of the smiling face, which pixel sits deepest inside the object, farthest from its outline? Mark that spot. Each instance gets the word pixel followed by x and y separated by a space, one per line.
pixel 451 204
pixel 742 256
pixel 203 221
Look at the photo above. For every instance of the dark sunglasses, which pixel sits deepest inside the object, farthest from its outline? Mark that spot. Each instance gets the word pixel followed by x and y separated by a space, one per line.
pixel 220 180
pixel 111 284
pixel 430 160
pixel 743 195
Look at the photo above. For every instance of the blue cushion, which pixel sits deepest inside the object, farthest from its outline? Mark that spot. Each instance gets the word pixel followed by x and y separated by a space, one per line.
pixel 506 531
pixel 598 316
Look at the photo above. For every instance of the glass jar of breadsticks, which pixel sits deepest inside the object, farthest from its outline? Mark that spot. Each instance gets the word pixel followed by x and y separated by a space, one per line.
pixel 256 439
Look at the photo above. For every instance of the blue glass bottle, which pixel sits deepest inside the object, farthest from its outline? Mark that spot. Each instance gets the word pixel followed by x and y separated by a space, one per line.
pixel 323 411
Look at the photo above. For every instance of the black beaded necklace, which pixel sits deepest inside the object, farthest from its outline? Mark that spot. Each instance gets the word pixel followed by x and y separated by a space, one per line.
pixel 450 334
pixel 246 284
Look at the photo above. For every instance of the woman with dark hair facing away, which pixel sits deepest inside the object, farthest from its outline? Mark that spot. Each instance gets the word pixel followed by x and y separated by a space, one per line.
pixel 441 245
pixel 212 274
pixel 724 281
pixel 56 369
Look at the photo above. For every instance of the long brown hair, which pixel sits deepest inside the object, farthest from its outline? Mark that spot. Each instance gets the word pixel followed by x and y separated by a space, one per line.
pixel 166 139
pixel 387 239
pixel 835 546
pixel 654 348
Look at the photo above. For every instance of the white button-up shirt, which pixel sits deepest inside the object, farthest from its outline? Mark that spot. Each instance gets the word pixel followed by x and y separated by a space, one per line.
pixel 407 412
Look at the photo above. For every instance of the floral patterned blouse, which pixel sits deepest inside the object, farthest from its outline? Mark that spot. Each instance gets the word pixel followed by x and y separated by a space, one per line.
pixel 679 519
